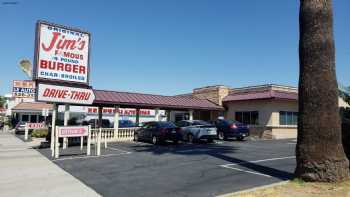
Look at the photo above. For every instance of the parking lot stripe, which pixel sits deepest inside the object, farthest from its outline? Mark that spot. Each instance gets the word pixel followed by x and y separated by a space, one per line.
pixel 117 149
pixel 92 156
pixel 258 161
pixel 247 171
pixel 229 166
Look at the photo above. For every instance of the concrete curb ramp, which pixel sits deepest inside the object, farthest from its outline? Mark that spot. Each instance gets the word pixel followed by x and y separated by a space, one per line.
pixel 25 172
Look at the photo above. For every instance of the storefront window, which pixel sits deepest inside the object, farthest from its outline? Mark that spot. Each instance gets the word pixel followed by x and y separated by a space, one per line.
pixel 25 118
pixel 248 117
pixel 288 118
pixel 33 118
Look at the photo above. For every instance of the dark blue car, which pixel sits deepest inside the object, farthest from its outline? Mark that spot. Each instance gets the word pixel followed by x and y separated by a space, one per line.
pixel 231 129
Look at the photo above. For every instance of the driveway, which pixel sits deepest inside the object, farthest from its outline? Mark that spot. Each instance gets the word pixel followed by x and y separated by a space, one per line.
pixel 141 169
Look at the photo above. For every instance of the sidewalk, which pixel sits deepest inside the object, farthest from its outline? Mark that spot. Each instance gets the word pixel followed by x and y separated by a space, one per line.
pixel 25 172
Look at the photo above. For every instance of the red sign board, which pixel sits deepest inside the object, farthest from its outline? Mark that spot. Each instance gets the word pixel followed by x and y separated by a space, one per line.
pixel 74 131
pixel 40 125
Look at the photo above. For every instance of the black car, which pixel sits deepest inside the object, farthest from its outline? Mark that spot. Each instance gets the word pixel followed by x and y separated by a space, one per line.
pixel 126 124
pixel 158 132
pixel 231 129
pixel 105 123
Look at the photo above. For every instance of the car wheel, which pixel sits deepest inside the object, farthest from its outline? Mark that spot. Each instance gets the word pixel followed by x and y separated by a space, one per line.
pixel 155 140
pixel 190 138
pixel 176 141
pixel 136 137
pixel 240 138
pixel 221 136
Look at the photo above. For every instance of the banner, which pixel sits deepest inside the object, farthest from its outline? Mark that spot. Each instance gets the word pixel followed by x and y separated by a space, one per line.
pixel 64 94
pixel 23 89
pixel 62 54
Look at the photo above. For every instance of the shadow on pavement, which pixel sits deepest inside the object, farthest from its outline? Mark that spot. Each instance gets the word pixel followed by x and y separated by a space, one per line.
pixel 214 150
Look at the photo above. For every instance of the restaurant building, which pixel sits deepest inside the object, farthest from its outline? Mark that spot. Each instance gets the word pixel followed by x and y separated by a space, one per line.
pixel 270 110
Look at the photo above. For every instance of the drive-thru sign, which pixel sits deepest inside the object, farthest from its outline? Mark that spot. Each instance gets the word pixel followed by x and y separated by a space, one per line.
pixel 65 94
pixel 75 131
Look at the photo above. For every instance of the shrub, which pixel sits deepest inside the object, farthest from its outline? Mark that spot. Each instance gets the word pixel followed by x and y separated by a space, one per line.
pixel 40 133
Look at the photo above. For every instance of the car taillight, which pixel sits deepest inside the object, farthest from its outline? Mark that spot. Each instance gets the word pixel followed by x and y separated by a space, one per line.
pixel 163 131
pixel 233 126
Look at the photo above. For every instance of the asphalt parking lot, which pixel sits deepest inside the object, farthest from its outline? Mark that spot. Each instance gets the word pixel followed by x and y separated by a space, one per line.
pixel 141 169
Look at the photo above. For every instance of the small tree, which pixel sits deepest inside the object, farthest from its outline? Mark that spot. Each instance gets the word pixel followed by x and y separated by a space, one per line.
pixel 2 101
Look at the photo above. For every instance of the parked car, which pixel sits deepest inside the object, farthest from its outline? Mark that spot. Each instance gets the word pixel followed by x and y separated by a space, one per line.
pixel 231 129
pixel 20 128
pixel 105 123
pixel 126 124
pixel 193 130
pixel 158 132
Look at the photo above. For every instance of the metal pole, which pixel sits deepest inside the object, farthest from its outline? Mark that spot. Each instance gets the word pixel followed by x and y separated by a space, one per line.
pixel 53 124
pixel 99 142
pixel 88 141
pixel 66 118
pixel 57 144
pixel 81 142
pixel 116 122
pixel 26 132
pixel 137 117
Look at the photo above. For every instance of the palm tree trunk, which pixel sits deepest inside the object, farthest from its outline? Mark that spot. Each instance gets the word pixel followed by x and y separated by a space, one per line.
pixel 319 152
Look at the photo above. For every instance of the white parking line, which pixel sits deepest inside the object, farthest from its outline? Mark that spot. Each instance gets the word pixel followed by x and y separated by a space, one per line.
pixel 117 149
pixel 92 156
pixel 229 166
pixel 247 171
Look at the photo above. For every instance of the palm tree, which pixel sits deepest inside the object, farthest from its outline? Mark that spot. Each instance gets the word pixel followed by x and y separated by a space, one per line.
pixel 319 152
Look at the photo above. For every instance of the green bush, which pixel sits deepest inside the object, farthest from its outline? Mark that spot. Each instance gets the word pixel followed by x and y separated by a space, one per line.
pixel 40 133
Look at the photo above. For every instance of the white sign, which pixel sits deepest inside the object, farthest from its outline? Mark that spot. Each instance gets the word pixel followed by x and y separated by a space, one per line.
pixel 39 125
pixel 62 54
pixel 64 94
pixel 23 89
pixel 76 131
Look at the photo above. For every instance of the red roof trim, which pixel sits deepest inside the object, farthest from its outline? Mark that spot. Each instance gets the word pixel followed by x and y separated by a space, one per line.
pixel 152 101
pixel 267 94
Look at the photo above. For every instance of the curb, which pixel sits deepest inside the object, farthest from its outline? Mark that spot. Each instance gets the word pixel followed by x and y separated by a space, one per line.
pixel 253 189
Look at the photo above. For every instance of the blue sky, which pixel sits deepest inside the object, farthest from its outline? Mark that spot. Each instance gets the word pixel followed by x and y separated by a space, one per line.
pixel 172 46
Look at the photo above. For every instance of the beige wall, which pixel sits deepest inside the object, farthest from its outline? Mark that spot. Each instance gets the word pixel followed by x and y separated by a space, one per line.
pixel 268 116
pixel 214 94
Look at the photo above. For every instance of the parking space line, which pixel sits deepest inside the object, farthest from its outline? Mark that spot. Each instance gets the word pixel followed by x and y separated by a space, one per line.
pixel 229 166
pixel 247 171
pixel 117 149
pixel 258 161
pixel 91 156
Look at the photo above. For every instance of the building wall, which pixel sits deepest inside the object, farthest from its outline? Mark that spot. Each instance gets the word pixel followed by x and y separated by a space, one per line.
pixel 268 116
pixel 214 94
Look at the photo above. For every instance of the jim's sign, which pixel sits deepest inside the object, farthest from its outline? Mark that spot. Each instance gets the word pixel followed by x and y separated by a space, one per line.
pixel 62 54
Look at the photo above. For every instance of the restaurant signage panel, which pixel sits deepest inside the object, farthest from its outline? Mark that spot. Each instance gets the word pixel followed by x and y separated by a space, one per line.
pixel 62 54
pixel 64 94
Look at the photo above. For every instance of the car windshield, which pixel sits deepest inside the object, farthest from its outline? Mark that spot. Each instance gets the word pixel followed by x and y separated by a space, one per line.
pixel 166 125
pixel 200 122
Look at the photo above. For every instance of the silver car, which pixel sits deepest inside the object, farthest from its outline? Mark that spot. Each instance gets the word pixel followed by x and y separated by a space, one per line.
pixel 194 130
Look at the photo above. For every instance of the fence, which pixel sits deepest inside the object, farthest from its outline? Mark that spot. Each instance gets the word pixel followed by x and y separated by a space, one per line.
pixel 122 134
